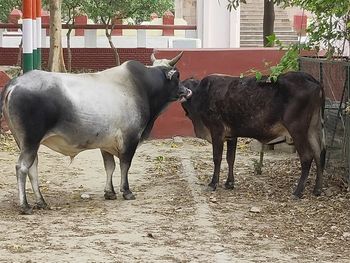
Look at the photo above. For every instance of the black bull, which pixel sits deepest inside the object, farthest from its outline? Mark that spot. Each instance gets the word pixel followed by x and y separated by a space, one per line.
pixel 223 108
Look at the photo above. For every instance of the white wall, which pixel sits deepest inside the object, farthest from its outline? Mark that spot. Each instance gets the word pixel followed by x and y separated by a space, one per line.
pixel 216 26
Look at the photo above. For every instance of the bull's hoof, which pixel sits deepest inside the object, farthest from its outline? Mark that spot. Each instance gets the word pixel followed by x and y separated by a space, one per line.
pixel 211 187
pixel 317 192
pixel 229 185
pixel 297 196
pixel 128 196
pixel 26 210
pixel 41 205
pixel 110 195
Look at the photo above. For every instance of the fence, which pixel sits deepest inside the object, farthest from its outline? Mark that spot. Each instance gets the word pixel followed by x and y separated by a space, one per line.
pixel 334 75
pixel 142 36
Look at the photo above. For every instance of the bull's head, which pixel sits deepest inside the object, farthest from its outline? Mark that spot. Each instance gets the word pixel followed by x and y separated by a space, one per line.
pixel 173 76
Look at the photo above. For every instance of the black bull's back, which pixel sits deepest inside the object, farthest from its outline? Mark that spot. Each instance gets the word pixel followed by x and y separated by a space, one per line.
pixel 223 108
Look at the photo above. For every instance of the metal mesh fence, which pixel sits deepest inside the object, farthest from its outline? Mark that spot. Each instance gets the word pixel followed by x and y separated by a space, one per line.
pixel 334 76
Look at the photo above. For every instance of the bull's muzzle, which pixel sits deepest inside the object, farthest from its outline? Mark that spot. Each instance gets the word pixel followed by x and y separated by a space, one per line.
pixel 185 95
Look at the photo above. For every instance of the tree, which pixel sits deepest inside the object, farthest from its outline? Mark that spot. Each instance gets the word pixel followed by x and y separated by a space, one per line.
pixel 6 6
pixel 56 60
pixel 269 16
pixel 330 25
pixel 70 9
pixel 108 12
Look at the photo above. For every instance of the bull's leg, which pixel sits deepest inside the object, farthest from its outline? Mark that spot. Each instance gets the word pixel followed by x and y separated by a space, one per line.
pixel 109 164
pixel 230 158
pixel 33 176
pixel 125 163
pixel 25 161
pixel 218 144
pixel 306 156
pixel 319 151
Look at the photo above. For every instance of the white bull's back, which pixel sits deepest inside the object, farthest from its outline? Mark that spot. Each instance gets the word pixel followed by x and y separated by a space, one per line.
pixel 104 109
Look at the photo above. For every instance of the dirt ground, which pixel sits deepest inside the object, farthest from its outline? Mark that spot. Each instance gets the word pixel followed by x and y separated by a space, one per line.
pixel 174 218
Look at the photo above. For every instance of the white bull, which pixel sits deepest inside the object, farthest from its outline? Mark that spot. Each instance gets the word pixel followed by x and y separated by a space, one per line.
pixel 113 110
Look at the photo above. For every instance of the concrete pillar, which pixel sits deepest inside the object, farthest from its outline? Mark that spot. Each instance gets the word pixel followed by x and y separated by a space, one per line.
pixel 178 8
pixel 117 32
pixel 1 37
pixel 153 16
pixel 43 38
pixel 45 20
pixel 235 28
pixel 80 20
pixel 300 24
pixel 90 38
pixel 168 19
pixel 141 38
pixel 216 26
pixel 14 16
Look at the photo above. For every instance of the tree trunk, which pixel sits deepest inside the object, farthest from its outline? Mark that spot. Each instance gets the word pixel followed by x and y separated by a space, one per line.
pixel 111 44
pixel 56 60
pixel 269 20
pixel 69 51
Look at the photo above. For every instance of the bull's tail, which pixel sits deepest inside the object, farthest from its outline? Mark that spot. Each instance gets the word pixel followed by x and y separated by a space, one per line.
pixel 1 104
pixel 323 133
pixel 3 96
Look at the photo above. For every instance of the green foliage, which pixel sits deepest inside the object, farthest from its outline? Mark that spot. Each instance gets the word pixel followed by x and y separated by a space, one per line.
pixel 329 29
pixel 234 4
pixel 106 10
pixel 6 6
pixel 71 9
pixel 145 8
pixel 330 24
pixel 289 61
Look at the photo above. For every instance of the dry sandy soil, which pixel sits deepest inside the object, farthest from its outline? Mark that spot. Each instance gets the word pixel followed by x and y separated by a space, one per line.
pixel 174 218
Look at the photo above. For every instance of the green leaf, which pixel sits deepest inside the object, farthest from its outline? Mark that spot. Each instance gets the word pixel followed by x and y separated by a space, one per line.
pixel 258 75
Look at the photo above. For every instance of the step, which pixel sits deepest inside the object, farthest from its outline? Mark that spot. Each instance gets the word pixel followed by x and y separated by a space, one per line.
pixel 260 28
pixel 250 32
pixel 276 24
pixel 281 37
pixel 258 17
pixel 250 41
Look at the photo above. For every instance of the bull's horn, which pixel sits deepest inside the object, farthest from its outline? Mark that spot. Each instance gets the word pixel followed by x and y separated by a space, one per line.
pixel 175 59
pixel 153 58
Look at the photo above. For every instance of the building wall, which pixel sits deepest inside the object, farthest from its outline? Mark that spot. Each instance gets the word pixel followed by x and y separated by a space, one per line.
pixel 217 27
pixel 186 9
pixel 194 63
pixel 85 58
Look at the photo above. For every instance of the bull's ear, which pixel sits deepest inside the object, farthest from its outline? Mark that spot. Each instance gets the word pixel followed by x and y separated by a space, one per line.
pixel 171 74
